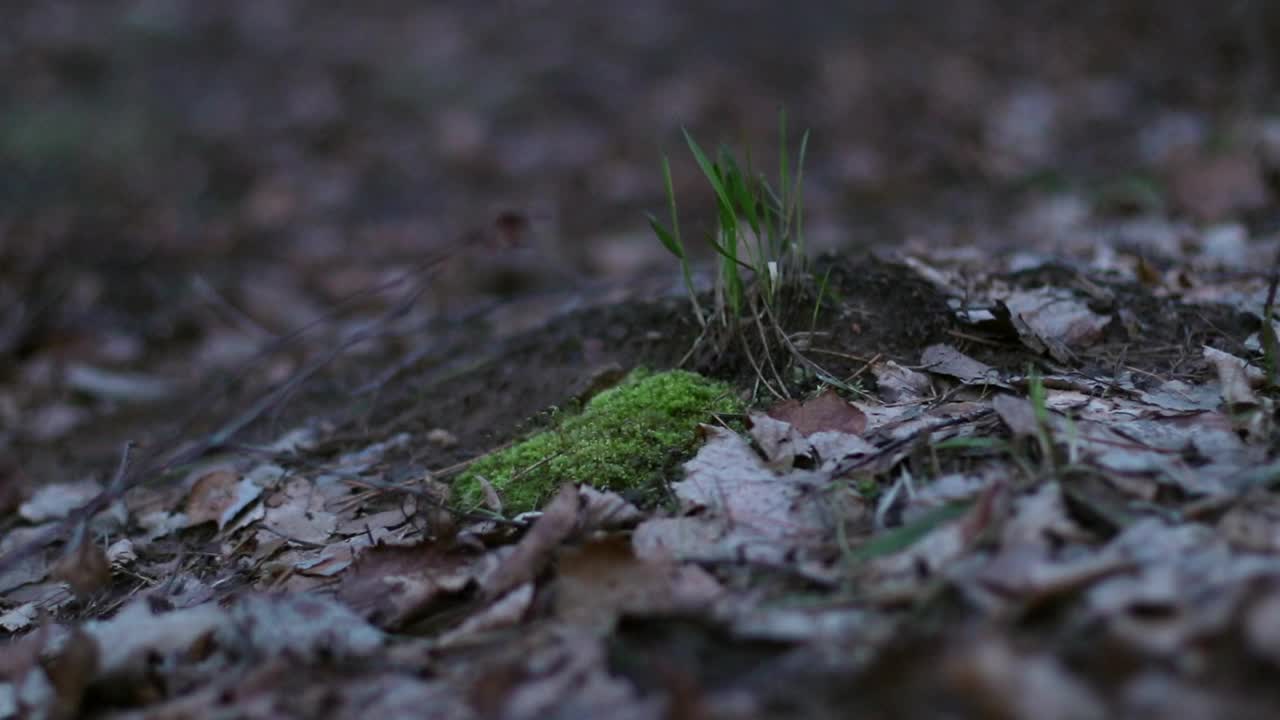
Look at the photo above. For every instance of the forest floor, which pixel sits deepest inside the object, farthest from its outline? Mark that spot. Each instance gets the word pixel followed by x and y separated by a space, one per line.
pixel 275 279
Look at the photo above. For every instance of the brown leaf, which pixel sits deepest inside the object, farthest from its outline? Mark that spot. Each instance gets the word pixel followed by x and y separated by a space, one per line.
pixel 827 411
pixel 392 586
pixel 70 671
pixel 603 580
pixel 534 550
pixel 85 568
pixel 219 496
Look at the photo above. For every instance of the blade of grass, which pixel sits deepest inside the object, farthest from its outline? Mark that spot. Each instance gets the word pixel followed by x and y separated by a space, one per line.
pixel 796 212
pixel 709 169
pixel 666 237
pixel 901 538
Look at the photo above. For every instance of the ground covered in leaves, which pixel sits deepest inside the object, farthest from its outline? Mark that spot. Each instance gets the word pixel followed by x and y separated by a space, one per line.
pixel 284 288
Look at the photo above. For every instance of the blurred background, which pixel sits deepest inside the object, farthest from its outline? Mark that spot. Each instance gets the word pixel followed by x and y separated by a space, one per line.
pixel 308 131
pixel 186 185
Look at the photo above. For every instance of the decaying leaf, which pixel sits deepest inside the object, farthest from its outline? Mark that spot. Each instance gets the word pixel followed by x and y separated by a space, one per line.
pixel 1053 321
pixel 85 567
pixel 898 384
pixel 738 508
pixel 827 411
pixel 391 586
pixel 54 502
pixel 558 521
pixel 946 360
pixel 597 583
pixel 219 496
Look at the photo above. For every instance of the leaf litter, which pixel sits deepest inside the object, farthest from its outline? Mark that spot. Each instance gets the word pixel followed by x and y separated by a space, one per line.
pixel 1052 494
pixel 1135 506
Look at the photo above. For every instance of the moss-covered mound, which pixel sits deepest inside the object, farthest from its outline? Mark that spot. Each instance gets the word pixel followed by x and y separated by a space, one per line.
pixel 624 439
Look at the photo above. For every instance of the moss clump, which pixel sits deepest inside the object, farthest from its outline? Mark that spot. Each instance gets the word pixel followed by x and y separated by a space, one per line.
pixel 624 439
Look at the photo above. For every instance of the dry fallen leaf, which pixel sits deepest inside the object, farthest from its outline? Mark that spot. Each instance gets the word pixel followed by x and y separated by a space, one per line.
pixel 57 501
pixel 219 496
pixel 84 567
pixel 946 360
pixel 1052 320
pixel 827 411
pixel 392 586
pixel 531 554
pixel 597 583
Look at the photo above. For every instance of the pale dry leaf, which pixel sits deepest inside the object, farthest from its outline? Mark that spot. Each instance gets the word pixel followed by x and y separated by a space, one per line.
pixel 822 624
pixel 1018 414
pixel 1236 377
pixel 1053 319
pixel 57 501
pixel 33 567
pixel 728 480
pixel 741 511
pixel 1039 520
pixel 831 448
pixel 780 442
pixel 54 421
pixel 296 512
pixel 905 571
pixel 302 626
pixel 121 553
pixel 1162 608
pixel 19 618
pixel 946 360
pixel 897 384
pixel 605 510
pixel 137 637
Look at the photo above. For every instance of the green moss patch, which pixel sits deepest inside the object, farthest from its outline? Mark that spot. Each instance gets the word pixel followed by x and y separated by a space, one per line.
pixel 624 439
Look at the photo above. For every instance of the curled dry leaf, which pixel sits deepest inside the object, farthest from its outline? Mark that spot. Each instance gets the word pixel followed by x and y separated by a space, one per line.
pixel 559 519
pixel 946 360
pixel 1053 320
pixel 219 496
pixel 506 611
pixel 1236 377
pixel 897 384
pixel 605 510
